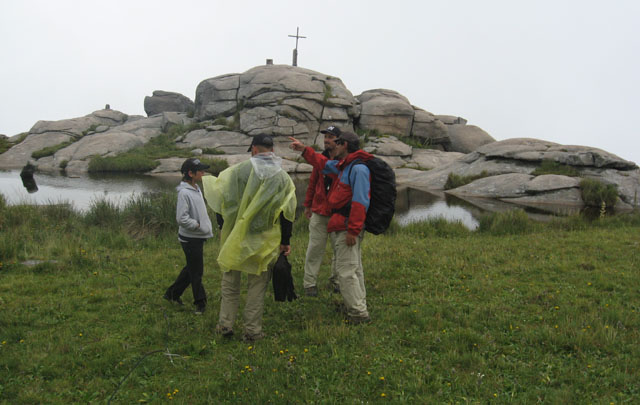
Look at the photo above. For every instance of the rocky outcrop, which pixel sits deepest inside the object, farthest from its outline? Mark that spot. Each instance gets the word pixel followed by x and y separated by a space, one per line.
pixel 509 167
pixel 278 100
pixel 51 133
pixel 165 101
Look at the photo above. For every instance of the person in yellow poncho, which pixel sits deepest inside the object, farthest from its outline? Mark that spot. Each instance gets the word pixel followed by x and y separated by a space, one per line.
pixel 257 202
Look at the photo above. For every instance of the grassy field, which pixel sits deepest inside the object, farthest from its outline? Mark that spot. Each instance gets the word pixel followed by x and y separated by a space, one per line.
pixel 516 312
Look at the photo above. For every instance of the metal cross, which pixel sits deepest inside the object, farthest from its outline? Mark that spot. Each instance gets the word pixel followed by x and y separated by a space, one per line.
pixel 297 36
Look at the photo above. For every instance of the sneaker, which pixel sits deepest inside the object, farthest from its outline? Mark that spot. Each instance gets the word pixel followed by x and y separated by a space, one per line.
pixel 248 338
pixel 311 291
pixel 357 320
pixel 176 300
pixel 224 331
pixel 199 310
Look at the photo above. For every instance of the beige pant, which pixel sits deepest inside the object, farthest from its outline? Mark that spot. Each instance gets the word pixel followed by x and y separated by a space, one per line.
pixel 253 308
pixel 350 273
pixel 318 236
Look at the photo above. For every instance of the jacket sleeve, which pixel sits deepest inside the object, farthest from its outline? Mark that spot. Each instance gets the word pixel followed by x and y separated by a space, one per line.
pixel 286 228
pixel 361 189
pixel 315 159
pixel 182 213
pixel 311 188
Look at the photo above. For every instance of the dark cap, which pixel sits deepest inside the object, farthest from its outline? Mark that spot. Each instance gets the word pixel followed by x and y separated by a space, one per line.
pixel 333 130
pixel 261 140
pixel 350 138
pixel 192 165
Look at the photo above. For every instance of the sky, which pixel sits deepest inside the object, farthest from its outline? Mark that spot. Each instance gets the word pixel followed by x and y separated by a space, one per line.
pixel 559 70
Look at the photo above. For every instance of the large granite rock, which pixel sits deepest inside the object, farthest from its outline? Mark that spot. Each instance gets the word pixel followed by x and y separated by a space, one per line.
pixel 385 111
pixel 467 138
pixel 166 101
pixel 430 130
pixel 278 100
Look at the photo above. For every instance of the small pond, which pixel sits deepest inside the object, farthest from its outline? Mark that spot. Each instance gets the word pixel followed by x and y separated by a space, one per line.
pixel 412 205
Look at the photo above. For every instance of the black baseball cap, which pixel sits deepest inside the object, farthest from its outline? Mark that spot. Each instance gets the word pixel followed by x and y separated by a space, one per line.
pixel 261 140
pixel 192 165
pixel 333 130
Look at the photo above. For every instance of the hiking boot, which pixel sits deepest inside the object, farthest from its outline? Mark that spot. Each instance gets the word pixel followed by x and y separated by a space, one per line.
pixel 311 291
pixel 199 310
pixel 224 331
pixel 357 320
pixel 175 300
pixel 249 338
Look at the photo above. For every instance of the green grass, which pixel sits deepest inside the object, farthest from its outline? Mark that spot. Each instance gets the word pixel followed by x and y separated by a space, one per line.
pixel 545 314
pixel 553 167
pixel 416 142
pixel 455 181
pixel 49 150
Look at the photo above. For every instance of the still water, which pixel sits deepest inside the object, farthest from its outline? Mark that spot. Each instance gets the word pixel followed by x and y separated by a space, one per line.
pixel 412 205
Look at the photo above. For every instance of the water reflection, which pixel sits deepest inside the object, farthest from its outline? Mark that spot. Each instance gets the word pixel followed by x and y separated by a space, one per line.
pixel 415 205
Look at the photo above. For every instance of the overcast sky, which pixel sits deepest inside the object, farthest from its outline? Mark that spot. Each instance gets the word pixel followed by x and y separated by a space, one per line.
pixel 562 71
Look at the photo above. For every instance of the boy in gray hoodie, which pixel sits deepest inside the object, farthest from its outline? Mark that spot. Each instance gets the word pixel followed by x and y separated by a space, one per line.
pixel 194 229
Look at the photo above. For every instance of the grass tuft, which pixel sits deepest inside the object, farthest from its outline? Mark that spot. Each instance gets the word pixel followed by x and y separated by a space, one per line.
pixel 552 167
pixel 455 181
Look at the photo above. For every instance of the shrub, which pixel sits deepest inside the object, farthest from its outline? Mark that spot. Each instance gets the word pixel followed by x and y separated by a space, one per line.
pixel 416 142
pixel 121 164
pixel 505 223
pixel 212 151
pixel 595 193
pixel 455 181
pixel 49 150
pixel 552 167
pixel 216 165
pixel 63 164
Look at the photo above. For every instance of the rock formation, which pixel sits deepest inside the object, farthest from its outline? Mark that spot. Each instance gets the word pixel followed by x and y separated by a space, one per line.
pixel 285 101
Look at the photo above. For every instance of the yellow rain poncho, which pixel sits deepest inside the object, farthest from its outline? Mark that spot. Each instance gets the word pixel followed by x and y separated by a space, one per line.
pixel 250 197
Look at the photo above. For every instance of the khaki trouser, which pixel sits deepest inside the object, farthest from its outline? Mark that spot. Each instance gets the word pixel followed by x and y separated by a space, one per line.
pixel 350 273
pixel 253 308
pixel 318 236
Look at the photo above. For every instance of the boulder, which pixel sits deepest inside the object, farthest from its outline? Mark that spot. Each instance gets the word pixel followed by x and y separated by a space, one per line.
pixel 387 146
pixel 165 101
pixel 467 138
pixel 425 159
pixel 385 111
pixel 430 130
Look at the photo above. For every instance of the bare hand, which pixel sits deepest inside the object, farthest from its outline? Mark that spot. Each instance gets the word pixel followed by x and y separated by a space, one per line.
pixel 286 249
pixel 296 144
pixel 350 239
pixel 307 212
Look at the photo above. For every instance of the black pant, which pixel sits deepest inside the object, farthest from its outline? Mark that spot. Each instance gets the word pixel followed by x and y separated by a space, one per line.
pixel 191 273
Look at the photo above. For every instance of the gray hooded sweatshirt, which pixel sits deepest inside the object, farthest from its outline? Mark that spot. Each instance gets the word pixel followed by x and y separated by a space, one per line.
pixel 191 213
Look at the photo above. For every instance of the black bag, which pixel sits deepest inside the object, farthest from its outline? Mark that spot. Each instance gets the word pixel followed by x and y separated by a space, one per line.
pixel 282 280
pixel 383 196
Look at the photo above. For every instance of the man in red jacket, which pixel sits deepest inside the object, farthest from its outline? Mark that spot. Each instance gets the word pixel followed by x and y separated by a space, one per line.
pixel 317 210
pixel 348 199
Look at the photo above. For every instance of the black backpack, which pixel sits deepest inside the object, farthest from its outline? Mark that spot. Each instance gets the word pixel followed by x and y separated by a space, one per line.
pixel 383 196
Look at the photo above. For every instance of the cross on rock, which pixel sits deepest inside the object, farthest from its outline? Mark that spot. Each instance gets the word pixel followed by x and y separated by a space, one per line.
pixel 295 51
